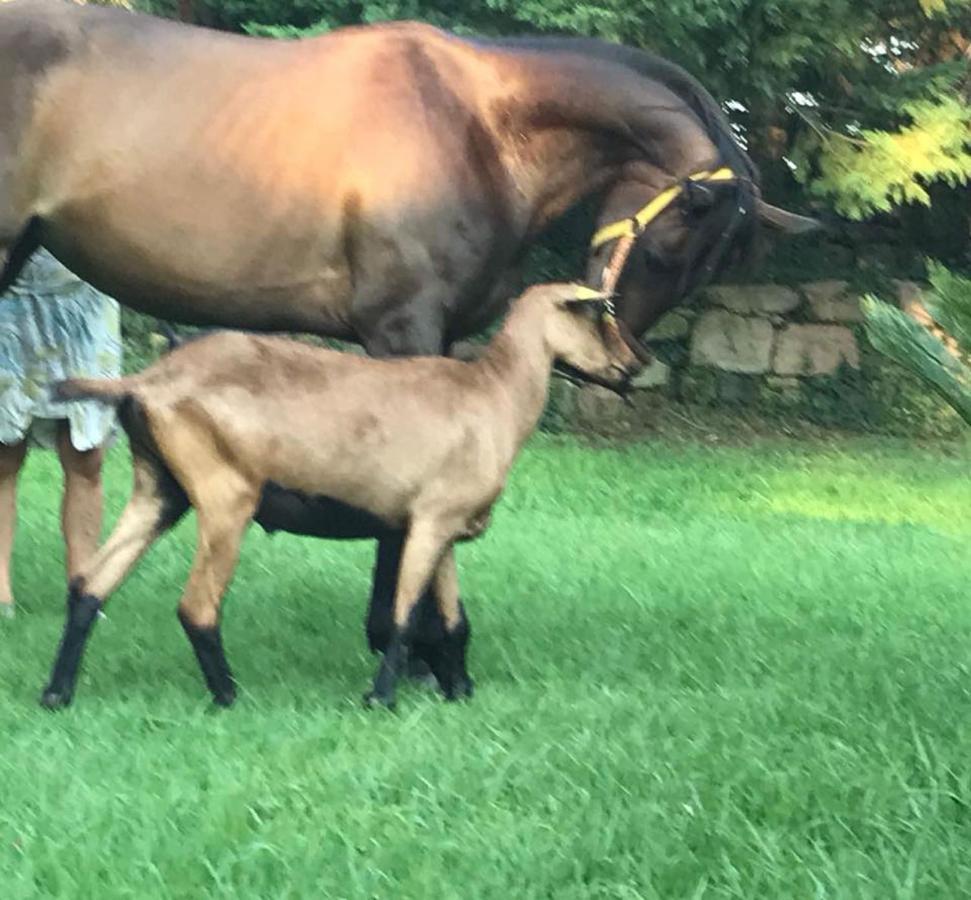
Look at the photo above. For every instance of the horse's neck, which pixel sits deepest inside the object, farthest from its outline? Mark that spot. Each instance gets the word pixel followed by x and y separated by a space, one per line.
pixel 576 123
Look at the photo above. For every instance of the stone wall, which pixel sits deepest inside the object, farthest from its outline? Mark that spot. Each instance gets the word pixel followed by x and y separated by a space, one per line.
pixel 769 347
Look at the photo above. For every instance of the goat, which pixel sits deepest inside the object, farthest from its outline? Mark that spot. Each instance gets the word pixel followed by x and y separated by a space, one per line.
pixel 424 444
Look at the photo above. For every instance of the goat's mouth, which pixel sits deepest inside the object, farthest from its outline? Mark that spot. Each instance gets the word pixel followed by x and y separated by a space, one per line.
pixel 621 385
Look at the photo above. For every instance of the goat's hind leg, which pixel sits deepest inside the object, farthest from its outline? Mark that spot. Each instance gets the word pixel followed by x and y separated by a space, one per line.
pixel 156 504
pixel 223 517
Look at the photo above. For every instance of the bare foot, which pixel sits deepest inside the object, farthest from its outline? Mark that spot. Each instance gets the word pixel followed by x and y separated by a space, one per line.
pixel 6 610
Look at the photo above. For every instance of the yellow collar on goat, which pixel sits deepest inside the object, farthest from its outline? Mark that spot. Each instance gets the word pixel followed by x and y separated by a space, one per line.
pixel 607 298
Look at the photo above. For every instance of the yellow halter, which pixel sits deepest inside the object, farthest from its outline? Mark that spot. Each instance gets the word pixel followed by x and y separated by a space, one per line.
pixel 634 225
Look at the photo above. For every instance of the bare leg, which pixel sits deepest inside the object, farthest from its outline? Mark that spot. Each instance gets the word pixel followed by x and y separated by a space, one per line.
pixel 82 506
pixel 11 459
pixel 423 549
pixel 154 507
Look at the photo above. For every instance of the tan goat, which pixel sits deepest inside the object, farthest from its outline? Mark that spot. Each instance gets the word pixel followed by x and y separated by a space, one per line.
pixel 423 443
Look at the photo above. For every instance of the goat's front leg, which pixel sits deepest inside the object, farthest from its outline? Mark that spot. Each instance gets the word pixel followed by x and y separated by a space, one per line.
pixel 380 616
pixel 423 548
pixel 446 652
pixel 393 326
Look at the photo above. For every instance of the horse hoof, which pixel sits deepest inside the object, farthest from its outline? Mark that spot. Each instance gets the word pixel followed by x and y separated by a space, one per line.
pixel 373 700
pixel 54 700
pixel 224 701
pixel 461 690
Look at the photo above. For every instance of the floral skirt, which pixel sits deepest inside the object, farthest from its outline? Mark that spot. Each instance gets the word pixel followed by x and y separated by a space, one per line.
pixel 54 326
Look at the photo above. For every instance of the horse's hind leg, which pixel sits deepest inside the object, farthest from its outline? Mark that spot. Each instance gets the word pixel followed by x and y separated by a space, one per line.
pixel 156 504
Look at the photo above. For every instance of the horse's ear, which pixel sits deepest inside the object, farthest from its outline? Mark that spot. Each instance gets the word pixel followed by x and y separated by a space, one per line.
pixel 790 223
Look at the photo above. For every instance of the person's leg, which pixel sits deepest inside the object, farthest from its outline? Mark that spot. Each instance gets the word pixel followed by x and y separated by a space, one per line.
pixel 11 460
pixel 81 508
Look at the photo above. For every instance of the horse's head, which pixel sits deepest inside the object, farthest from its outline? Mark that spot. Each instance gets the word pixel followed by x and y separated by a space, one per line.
pixel 684 233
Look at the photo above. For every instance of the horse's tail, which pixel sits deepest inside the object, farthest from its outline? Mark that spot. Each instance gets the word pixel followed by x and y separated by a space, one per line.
pixel 106 390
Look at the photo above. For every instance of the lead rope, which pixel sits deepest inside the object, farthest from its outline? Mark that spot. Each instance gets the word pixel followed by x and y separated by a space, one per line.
pixel 615 266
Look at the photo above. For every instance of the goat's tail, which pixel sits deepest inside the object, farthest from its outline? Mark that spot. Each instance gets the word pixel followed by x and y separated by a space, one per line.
pixel 107 390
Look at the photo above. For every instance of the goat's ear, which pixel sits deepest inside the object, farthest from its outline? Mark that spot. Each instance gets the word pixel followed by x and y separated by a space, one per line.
pixel 592 307
pixel 580 294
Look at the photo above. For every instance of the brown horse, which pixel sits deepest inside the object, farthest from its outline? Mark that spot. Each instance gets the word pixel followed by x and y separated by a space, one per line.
pixel 378 184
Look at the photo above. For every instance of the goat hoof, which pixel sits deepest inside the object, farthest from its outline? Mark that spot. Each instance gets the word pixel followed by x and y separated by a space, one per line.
pixel 374 700
pixel 54 700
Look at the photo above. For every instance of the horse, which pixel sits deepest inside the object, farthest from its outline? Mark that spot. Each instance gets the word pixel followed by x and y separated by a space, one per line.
pixel 378 184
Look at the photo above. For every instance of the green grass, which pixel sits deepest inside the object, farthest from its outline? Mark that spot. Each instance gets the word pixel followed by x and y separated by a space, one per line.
pixel 701 672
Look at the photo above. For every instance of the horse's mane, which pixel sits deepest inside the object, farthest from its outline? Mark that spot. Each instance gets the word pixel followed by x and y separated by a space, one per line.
pixel 671 75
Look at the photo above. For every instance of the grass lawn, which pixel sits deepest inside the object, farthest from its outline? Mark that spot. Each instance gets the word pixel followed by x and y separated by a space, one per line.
pixel 701 672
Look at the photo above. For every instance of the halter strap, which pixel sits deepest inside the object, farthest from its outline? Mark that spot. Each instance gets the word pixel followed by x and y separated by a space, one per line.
pixel 634 225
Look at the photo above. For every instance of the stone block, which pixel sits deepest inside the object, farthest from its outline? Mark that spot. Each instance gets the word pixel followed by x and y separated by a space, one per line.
pixel 670 327
pixel 814 350
pixel 754 299
pixel 654 375
pixel 597 407
pixel 732 343
pixel 828 302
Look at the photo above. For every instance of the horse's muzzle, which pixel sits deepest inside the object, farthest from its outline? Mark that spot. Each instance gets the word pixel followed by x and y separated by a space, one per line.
pixel 643 354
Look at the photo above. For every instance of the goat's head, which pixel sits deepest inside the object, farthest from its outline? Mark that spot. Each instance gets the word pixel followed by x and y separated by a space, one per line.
pixel 586 338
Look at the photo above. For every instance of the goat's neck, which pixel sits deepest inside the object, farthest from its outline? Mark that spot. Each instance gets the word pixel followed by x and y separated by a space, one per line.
pixel 518 366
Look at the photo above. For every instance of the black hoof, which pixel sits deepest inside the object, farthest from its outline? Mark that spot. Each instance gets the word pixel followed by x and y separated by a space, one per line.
pixel 461 690
pixel 55 700
pixel 224 701
pixel 373 700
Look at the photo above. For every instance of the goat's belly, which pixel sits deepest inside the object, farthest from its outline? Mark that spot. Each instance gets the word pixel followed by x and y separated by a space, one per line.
pixel 375 498
pixel 314 515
